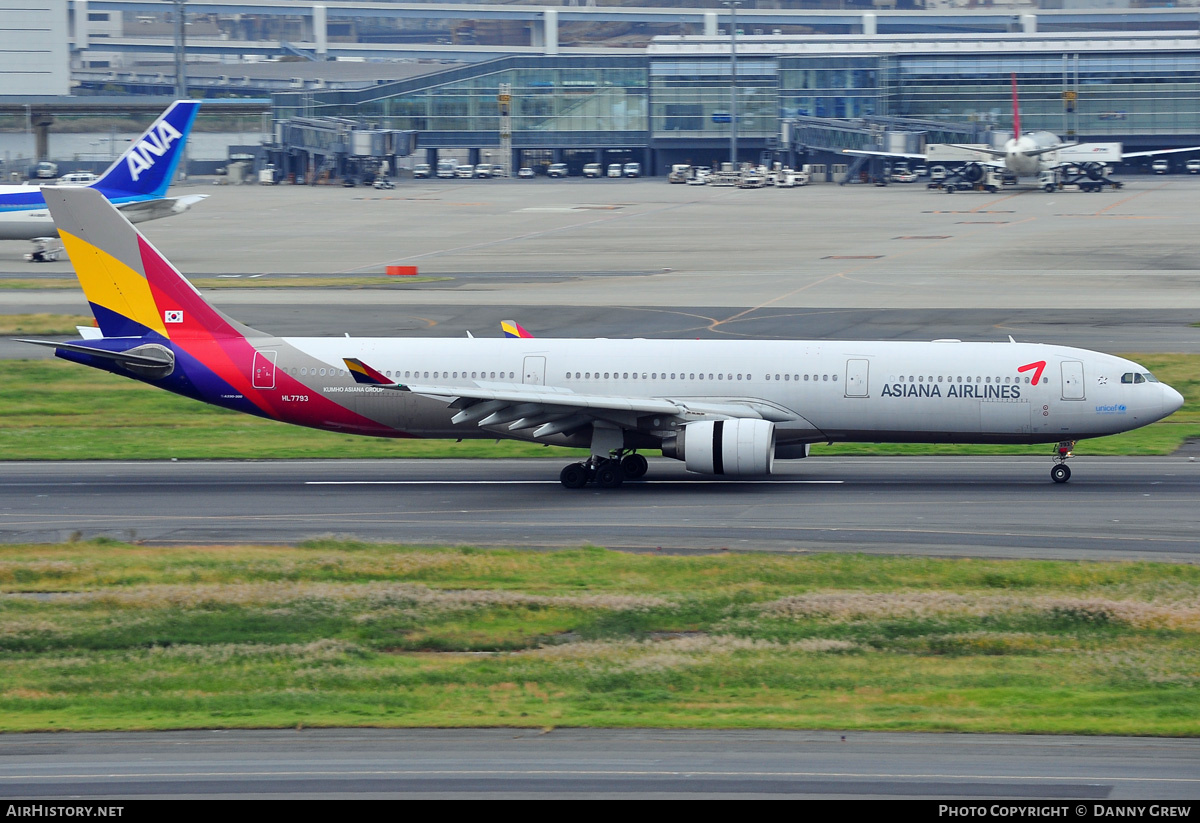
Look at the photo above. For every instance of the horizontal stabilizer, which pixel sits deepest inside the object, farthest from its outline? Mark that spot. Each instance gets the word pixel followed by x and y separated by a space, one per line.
pixel 144 356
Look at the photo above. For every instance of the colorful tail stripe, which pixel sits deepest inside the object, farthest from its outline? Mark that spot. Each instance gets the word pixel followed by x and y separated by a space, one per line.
pixel 362 373
pixel 512 328
pixel 136 292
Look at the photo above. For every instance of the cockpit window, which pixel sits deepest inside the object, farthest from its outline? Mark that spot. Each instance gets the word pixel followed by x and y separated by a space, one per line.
pixel 1150 378
pixel 1127 377
pixel 1134 377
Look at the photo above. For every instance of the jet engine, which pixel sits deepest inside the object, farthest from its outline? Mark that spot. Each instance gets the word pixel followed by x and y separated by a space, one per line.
pixel 971 172
pixel 733 448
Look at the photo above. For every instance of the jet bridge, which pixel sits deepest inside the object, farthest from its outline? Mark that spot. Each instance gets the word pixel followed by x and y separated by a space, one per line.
pixel 307 148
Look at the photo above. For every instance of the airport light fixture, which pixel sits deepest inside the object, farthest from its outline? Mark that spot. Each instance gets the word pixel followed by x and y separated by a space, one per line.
pixel 181 91
pixel 733 110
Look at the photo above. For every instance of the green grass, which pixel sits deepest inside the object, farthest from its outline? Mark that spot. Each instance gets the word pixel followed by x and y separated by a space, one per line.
pixel 53 410
pixel 42 323
pixel 353 634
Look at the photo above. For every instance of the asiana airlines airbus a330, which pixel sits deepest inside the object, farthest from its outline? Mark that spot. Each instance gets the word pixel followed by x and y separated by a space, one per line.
pixel 723 407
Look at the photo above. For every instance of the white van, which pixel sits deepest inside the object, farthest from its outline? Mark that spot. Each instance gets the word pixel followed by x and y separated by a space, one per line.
pixel 633 169
pixel 78 178
pixel 614 169
pixel 593 170
pixel 1161 166
pixel 447 168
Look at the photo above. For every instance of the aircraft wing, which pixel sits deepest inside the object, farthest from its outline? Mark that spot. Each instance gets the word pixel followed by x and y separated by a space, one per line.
pixel 870 153
pixel 1159 151
pixel 138 211
pixel 551 411
pixel 1002 153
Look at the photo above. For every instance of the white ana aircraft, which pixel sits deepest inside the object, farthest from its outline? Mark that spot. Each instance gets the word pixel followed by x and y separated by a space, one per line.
pixel 136 182
pixel 1031 154
pixel 728 408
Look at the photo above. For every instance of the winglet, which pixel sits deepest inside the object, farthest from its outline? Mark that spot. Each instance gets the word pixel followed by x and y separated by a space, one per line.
pixel 514 329
pixel 362 373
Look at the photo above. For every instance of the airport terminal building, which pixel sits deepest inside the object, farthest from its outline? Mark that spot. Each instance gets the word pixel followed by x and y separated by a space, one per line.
pixel 799 97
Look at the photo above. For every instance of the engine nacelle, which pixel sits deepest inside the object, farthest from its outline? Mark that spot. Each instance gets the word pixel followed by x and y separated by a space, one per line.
pixel 734 448
pixel 971 172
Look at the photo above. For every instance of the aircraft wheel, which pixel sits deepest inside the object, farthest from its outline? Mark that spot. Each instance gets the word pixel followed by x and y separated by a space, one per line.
pixel 634 466
pixel 609 476
pixel 574 476
pixel 1060 473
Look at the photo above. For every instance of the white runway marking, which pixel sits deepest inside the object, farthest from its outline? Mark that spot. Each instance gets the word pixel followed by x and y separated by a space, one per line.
pixel 551 482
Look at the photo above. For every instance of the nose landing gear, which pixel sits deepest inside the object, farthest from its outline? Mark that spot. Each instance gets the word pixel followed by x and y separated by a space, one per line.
pixel 1061 472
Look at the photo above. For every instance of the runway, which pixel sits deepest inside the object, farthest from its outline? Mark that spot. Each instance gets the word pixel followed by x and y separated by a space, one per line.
pixel 1113 508
pixel 641 763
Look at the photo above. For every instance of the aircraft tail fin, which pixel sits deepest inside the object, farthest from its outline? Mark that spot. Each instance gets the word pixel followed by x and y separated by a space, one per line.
pixel 1016 110
pixel 148 165
pixel 512 328
pixel 133 290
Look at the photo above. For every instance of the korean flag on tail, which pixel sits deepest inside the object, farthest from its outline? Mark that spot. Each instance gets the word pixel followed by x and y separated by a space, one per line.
pixel 173 316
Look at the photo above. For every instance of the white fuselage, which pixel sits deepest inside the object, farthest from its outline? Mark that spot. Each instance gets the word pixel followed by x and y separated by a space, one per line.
pixel 1019 157
pixel 815 391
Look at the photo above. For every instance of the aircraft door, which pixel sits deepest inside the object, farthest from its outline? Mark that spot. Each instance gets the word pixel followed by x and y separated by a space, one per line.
pixel 857 372
pixel 1072 380
pixel 264 369
pixel 534 373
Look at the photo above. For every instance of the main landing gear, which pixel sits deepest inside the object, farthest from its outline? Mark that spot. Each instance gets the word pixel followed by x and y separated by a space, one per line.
pixel 1061 472
pixel 605 472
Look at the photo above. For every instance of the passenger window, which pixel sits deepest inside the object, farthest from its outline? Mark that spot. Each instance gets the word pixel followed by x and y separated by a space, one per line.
pixel 835 378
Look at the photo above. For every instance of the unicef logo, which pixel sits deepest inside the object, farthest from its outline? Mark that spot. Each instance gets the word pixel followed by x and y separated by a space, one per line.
pixel 1116 409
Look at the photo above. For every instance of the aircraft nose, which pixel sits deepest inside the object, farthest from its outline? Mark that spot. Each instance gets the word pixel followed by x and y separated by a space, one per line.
pixel 1172 400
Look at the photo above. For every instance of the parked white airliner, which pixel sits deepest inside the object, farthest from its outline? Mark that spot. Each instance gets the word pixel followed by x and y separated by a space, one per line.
pixel 723 407
pixel 1030 154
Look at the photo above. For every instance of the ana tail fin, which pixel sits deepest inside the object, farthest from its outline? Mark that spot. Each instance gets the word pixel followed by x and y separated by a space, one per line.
pixel 133 290
pixel 148 165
